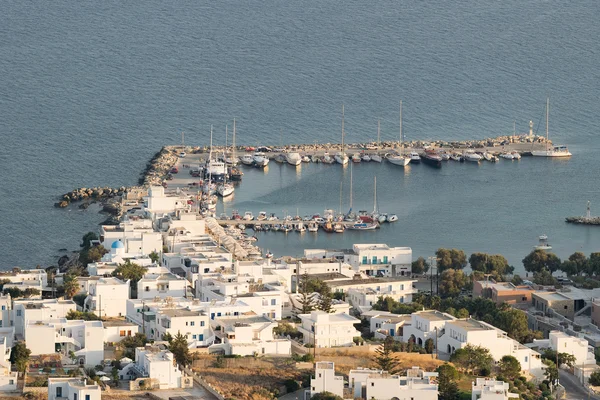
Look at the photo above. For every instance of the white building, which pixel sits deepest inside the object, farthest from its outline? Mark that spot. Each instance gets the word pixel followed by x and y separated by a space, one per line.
pixel 370 259
pixel 417 384
pixel 159 203
pixel 424 325
pixel 249 335
pixel 325 380
pixel 193 324
pixel 72 389
pixel 107 297
pixel 364 298
pixel 489 389
pixel 565 343
pixel 39 310
pixel 26 278
pixel 136 234
pixel 388 324
pixel 157 365
pixel 6 314
pixel 8 378
pixel 328 330
pixel 161 285
pixel 462 332
pixel 84 338
pixel 117 330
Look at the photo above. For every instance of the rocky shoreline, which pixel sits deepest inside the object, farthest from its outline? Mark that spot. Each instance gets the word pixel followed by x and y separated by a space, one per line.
pixel 583 220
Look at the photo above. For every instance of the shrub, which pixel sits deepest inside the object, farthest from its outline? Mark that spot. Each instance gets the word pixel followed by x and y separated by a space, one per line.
pixel 291 385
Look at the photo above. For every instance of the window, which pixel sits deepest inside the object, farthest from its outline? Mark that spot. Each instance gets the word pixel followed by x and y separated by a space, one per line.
pixel 18 315
pixel 372 383
pixel 87 397
pixel 319 375
pixel 186 323
pixel 201 323
pixel 201 338
pixel 385 259
pixel 192 323
pixel 374 259
pixel 273 302
pixel 122 333
pixel 3 308
pixel 218 314
pixel 11 382
pixel 74 396
pixel 147 289
pixel 566 307
pixel 364 260
pixel 58 391
pixel 193 336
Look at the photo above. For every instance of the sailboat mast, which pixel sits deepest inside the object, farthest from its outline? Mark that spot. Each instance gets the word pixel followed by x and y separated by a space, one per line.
pixel 342 130
pixel 226 134
pixel 378 135
pixel 547 112
pixel 233 152
pixel 341 187
pixel 350 186
pixel 210 153
pixel 375 195
pixel 401 149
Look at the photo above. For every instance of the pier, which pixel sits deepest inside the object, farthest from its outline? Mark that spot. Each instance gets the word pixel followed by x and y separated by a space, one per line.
pixel 584 220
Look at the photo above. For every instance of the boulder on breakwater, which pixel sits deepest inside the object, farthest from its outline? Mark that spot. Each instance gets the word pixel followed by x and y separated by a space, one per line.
pixel 159 166
pixel 583 220
pixel 96 193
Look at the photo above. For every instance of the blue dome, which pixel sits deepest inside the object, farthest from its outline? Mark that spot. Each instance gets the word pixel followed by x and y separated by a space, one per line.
pixel 117 245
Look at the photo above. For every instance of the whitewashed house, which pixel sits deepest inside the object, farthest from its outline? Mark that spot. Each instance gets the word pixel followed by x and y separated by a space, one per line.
pixel 565 343
pixel 194 325
pixel 325 380
pixel 161 285
pixel 388 324
pixel 328 330
pixel 380 385
pixel 248 335
pixel 363 298
pixel 84 338
pixel 424 325
pixel 135 234
pixel 490 389
pixel 6 314
pixel 107 297
pixel 462 332
pixel 116 330
pixel 39 310
pixel 72 389
pixel 159 202
pixel 154 367
pixel 8 378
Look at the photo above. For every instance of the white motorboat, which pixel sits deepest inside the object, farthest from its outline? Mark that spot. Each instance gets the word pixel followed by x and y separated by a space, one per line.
pixel 365 157
pixel 306 159
pixel 471 156
pixel 341 158
pixel 398 159
pixel 248 216
pixel 356 158
pixel 260 160
pixel 415 158
pixel 488 156
pixel 247 159
pixel 543 243
pixel 457 157
pixel 293 158
pixel 392 218
pixel 327 159
pixel 242 227
pixel 555 151
pixel 376 157
pixel 313 226
pixel 262 216
pixel 382 218
pixel 225 189
pixel 506 156
pixel 363 226
pixel 300 227
pixel 445 156
pixel 516 155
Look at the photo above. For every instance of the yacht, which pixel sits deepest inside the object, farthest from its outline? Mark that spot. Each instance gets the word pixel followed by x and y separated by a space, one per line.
pixel 366 157
pixel 327 159
pixel 338 228
pixel 356 158
pixel 225 189
pixel 415 158
pixel 364 226
pixel 398 159
pixel 507 156
pixel 556 151
pixel 471 156
pixel 247 159
pixel 248 216
pixel 431 157
pixel 543 243
pixel 313 226
pixel 376 157
pixel 300 227
pixel 260 160
pixel 261 216
pixel 293 158
pixel 341 158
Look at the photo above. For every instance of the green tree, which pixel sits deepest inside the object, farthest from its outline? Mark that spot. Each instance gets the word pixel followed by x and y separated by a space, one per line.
pixel 450 259
pixel 137 340
pixel 94 254
pixel 325 301
pixel 429 346
pixel 4 282
pixel 384 356
pixel 326 396
pixel 551 372
pixel 87 239
pixel 593 267
pixel 79 315
pixel 509 368
pixel 20 356
pixel 452 281
pixel 130 271
pixel 595 378
pixel 563 358
pixel 447 382
pixel 306 302
pixel 472 359
pixel 462 313
pixel 513 322
pixel 576 264
pixel 419 266
pixel 180 350
pixel 154 256
pixel 539 260
pixel 167 337
pixel 494 264
pixel 70 285
pixel 544 277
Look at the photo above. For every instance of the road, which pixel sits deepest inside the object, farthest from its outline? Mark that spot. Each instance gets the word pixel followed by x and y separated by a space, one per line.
pixel 573 388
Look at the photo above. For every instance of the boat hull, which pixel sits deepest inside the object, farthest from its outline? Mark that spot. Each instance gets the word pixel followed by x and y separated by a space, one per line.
pixel 401 161
pixel 435 162
pixel 550 153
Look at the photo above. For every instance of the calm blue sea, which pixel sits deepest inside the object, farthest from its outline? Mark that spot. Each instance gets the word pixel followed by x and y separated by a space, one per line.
pixel 90 90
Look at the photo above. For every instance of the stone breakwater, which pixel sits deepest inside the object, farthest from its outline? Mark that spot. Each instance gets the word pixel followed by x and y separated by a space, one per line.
pixel 583 220
pixel 159 166
pixel 89 194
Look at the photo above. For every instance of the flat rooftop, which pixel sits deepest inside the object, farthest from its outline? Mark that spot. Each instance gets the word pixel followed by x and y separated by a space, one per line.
pixel 433 315
pixel 470 325
pixel 117 322
pixel 552 296
pixel 180 312
pixel 347 282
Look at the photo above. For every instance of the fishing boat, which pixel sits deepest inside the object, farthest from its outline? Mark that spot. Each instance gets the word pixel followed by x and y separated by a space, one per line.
pixel 356 158
pixel 415 158
pixel 555 151
pixel 457 157
pixel 293 158
pixel 313 226
pixel 432 158
pixel 543 243
pixel 339 228
pixel 247 159
pixel 235 174
pixel 328 226
pixel 285 228
pixel 363 226
pixel 341 157
pixel 365 157
pixel 260 160
pixel 471 156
